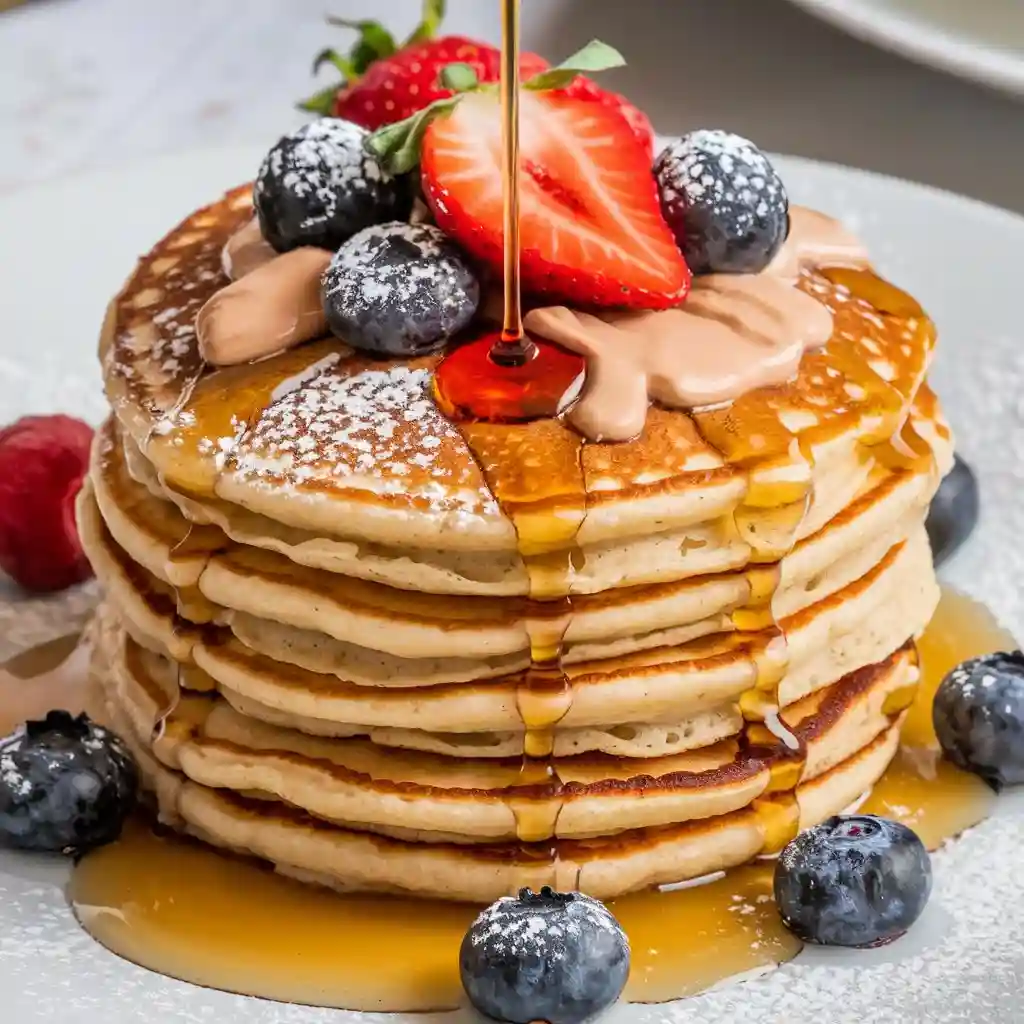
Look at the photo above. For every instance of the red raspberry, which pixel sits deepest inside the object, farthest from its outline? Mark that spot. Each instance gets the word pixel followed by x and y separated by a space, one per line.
pixel 43 460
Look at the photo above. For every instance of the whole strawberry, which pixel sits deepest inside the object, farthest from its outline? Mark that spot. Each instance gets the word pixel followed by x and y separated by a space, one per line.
pixel 384 81
pixel 394 88
pixel 43 460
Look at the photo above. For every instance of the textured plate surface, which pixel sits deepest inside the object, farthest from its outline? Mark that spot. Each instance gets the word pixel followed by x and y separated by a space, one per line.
pixel 982 41
pixel 67 247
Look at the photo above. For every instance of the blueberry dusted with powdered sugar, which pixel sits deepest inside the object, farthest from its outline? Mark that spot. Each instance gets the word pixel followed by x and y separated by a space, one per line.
pixel 856 880
pixel 978 714
pixel 399 290
pixel 724 202
pixel 556 957
pixel 319 186
pixel 66 785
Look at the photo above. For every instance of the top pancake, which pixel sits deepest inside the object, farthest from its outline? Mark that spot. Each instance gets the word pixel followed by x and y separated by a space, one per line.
pixel 322 440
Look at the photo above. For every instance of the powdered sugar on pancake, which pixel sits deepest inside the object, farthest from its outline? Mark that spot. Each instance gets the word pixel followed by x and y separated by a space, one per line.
pixel 155 350
pixel 377 429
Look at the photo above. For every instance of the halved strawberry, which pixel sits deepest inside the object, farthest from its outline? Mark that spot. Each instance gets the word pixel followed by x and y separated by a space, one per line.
pixel 591 229
pixel 583 88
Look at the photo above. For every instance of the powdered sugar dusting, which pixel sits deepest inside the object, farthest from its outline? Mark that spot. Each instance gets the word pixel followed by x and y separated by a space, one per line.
pixel 323 156
pixel 508 931
pixel 290 384
pixel 13 779
pixel 688 172
pixel 424 265
pixel 316 174
pixel 155 348
pixel 376 429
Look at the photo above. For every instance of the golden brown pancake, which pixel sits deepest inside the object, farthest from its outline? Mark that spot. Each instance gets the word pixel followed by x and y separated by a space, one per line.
pixel 322 600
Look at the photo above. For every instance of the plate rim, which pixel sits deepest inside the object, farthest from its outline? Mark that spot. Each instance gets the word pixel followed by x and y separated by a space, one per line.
pixel 925 42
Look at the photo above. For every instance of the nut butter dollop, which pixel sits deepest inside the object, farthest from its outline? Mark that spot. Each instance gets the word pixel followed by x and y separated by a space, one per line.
pixel 734 333
pixel 270 309
pixel 245 251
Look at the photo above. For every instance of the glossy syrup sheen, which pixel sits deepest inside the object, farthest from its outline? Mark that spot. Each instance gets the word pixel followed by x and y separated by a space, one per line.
pixel 920 788
pixel 188 911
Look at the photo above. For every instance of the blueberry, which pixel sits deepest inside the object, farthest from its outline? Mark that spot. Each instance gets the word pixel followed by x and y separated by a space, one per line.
pixel 954 511
pixel 556 957
pixel 978 713
pixel 399 290
pixel 724 202
pixel 66 785
pixel 319 186
pixel 853 881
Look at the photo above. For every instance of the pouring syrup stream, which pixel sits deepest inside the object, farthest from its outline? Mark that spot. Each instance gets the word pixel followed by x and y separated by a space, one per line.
pixel 512 347
pixel 505 377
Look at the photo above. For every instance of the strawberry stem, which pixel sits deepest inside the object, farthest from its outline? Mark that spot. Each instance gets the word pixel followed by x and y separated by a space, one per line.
pixel 459 77
pixel 374 43
pixel 430 22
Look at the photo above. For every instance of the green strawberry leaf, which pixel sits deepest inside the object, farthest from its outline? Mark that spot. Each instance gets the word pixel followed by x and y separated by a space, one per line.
pixel 321 102
pixel 335 59
pixel 595 56
pixel 459 77
pixel 375 43
pixel 430 22
pixel 397 146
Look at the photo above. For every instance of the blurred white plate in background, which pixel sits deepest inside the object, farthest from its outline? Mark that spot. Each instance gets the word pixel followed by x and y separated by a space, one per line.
pixel 981 40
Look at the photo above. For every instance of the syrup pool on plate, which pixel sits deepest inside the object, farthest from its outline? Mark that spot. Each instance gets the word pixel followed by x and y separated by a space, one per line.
pixel 920 788
pixel 187 911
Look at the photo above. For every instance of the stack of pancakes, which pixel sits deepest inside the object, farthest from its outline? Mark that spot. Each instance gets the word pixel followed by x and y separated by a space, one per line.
pixel 326 605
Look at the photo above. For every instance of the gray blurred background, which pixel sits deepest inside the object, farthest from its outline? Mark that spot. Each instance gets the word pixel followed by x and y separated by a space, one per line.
pixel 89 83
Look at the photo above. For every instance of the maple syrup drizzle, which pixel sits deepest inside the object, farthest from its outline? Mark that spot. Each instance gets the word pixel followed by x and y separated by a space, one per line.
pixel 510 382
pixel 768 521
pixel 544 693
pixel 769 518
pixel 921 788
pixel 189 911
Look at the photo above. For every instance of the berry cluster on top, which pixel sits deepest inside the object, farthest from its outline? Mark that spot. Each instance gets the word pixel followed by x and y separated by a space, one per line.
pixel 600 227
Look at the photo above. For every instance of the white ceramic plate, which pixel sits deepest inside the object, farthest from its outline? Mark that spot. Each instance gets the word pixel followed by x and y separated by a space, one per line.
pixel 981 40
pixel 64 251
